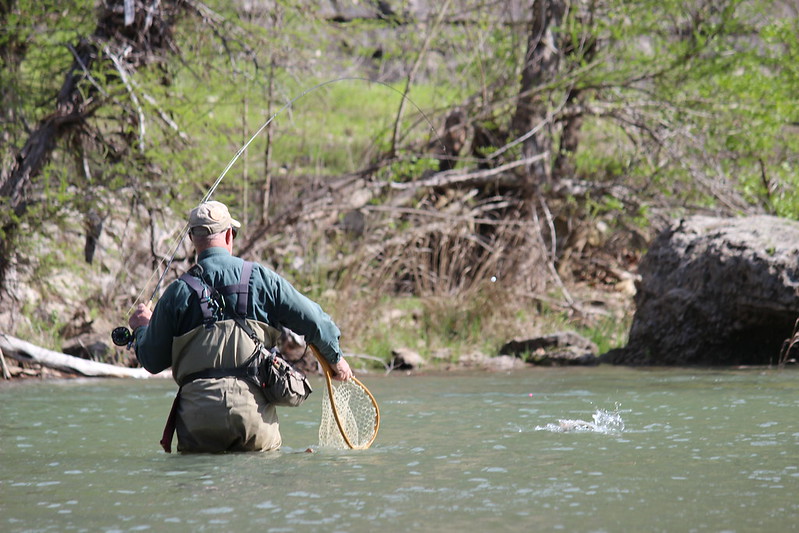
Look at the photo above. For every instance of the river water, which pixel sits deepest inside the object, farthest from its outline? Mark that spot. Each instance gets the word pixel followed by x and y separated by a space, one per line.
pixel 660 450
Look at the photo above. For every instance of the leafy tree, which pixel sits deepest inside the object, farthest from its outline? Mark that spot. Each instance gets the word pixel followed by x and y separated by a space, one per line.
pixel 691 100
pixel 69 112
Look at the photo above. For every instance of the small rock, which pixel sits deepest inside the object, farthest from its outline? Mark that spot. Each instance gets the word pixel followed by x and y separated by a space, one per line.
pixel 406 359
pixel 557 349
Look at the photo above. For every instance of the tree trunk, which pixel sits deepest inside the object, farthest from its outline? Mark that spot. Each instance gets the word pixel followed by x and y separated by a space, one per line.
pixel 71 108
pixel 540 67
pixel 571 124
pixel 563 167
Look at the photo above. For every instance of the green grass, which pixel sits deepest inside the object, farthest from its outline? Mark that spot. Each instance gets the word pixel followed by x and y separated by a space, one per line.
pixel 333 127
pixel 608 333
pixel 454 326
pixel 337 127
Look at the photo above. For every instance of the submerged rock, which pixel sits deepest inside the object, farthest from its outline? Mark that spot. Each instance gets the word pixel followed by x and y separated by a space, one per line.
pixel 715 291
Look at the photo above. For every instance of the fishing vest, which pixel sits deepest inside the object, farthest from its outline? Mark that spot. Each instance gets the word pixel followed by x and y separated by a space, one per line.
pixel 218 343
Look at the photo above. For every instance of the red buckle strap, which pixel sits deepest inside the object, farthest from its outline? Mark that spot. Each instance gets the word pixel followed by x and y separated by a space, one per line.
pixel 169 428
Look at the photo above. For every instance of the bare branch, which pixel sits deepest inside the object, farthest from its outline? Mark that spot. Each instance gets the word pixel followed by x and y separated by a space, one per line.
pixel 459 177
pixel 123 75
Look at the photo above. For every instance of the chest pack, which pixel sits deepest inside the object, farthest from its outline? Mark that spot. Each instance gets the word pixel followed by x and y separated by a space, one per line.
pixel 280 382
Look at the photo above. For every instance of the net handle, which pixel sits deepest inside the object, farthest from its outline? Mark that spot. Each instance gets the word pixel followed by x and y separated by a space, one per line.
pixel 328 371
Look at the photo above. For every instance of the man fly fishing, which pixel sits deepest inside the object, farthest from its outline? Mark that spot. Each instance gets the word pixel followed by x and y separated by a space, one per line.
pixel 194 330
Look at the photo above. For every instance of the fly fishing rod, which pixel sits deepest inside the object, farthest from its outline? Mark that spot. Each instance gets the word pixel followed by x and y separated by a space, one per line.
pixel 122 335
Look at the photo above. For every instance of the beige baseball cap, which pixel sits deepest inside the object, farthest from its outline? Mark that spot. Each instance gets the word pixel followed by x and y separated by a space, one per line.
pixel 212 216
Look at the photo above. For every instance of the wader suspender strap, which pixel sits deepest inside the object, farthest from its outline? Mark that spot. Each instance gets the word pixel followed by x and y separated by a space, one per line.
pixel 205 294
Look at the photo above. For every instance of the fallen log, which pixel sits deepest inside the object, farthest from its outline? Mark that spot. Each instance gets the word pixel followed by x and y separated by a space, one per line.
pixel 26 352
pixel 6 373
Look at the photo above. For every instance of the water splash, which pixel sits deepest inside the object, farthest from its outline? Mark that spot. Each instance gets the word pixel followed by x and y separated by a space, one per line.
pixel 605 422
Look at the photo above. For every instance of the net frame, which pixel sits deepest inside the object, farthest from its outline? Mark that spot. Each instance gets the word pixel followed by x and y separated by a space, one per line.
pixel 353 408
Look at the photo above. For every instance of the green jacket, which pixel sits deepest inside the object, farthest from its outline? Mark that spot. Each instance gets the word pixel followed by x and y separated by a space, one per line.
pixel 273 301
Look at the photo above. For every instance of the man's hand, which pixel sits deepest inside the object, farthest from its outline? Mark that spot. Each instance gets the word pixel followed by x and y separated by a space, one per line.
pixel 342 370
pixel 140 317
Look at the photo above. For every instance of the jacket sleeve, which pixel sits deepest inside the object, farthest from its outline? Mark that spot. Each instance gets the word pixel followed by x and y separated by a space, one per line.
pixel 278 303
pixel 154 341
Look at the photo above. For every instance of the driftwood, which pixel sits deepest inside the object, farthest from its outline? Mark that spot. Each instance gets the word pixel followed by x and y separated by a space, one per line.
pixel 27 352
pixel 6 373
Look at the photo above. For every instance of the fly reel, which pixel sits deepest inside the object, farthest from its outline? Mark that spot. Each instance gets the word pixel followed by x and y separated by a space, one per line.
pixel 122 336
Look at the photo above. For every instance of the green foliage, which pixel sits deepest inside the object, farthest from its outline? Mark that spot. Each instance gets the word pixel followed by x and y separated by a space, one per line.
pixel 607 333
pixel 607 204
pixel 706 99
pixel 407 169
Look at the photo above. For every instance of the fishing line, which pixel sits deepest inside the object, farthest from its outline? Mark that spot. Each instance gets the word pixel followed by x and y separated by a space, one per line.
pixel 126 337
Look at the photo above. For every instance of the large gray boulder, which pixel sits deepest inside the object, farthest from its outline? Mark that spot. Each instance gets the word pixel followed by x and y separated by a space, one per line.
pixel 715 291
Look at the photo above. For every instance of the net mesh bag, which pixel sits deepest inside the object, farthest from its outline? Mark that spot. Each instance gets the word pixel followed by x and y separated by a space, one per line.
pixel 356 412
